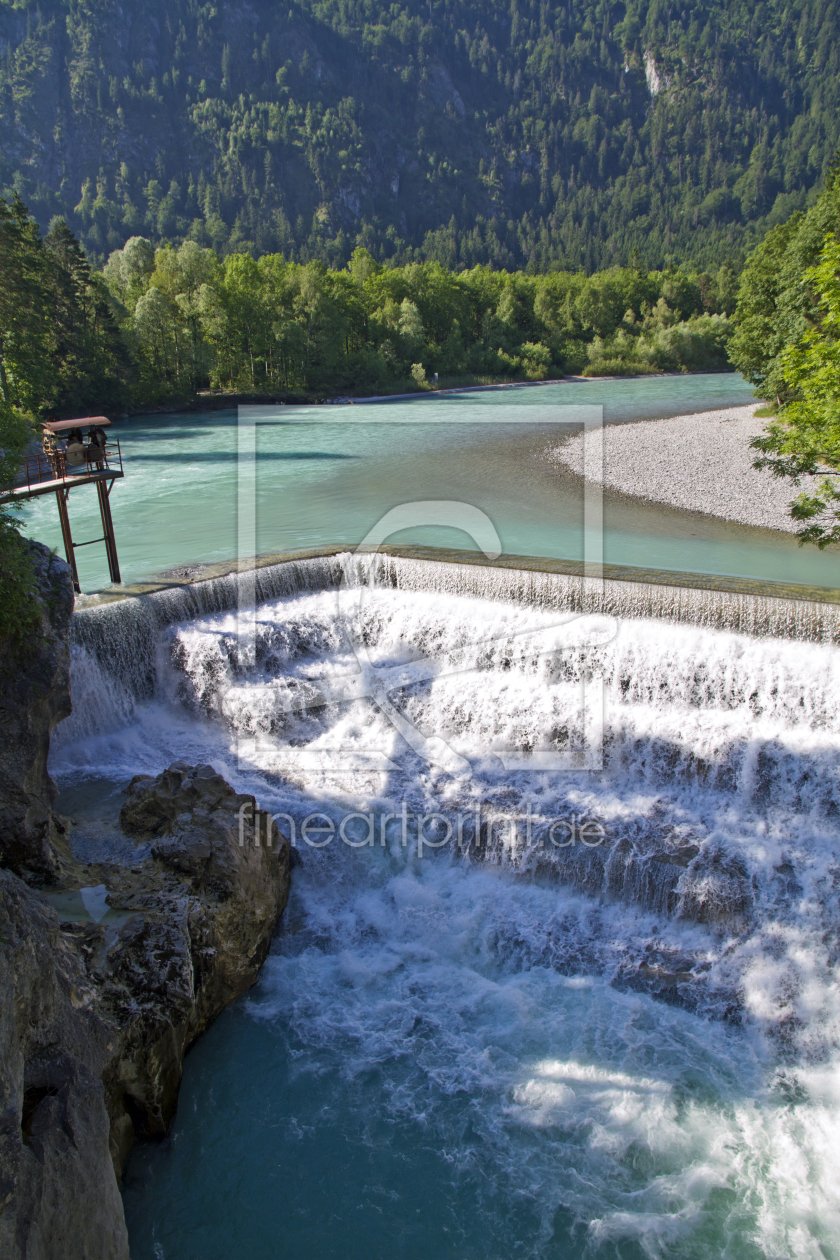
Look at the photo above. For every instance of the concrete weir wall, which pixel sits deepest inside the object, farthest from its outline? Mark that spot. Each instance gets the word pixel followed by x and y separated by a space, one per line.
pixel 121 624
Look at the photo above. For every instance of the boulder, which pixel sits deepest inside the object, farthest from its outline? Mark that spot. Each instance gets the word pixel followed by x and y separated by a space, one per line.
pixel 205 909
pixel 155 805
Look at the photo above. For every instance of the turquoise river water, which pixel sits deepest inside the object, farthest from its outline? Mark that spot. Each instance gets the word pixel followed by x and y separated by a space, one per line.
pixel 327 474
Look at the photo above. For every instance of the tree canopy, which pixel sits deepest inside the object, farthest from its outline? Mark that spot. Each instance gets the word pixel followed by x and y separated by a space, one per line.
pixel 159 323
pixel 784 342
pixel 266 324
pixel 60 345
pixel 506 132
pixel 804 439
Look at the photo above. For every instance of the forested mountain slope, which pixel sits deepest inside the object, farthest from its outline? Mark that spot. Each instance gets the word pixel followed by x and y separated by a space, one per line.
pixel 514 132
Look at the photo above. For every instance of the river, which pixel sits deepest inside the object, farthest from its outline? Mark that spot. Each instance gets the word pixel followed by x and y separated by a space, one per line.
pixel 327 474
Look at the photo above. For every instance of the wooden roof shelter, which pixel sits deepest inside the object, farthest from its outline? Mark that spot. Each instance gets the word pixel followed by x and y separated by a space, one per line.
pixel 64 426
pixel 48 472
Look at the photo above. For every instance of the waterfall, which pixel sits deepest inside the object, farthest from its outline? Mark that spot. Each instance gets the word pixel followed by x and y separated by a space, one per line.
pixel 714 701
pixel 123 634
pixel 479 926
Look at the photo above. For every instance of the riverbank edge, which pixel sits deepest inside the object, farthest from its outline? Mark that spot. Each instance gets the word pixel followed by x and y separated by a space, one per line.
pixel 220 401
pixel 725 584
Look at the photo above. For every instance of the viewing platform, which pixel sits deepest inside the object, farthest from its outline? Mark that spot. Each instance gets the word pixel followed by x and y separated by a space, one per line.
pixel 54 471
pixel 42 474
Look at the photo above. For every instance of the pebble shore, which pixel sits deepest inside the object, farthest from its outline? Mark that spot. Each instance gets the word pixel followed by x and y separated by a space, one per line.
pixel 702 463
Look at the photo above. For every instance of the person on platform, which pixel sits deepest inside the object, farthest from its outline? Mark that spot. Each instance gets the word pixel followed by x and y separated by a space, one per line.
pixel 51 450
pixel 95 451
pixel 74 456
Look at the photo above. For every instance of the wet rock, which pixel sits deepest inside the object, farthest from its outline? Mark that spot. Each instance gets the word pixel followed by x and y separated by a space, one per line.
pixel 681 980
pixel 669 872
pixel 154 805
pixel 634 871
pixel 58 1191
pixel 95 1019
pixel 715 888
pixel 206 906
pixel 34 696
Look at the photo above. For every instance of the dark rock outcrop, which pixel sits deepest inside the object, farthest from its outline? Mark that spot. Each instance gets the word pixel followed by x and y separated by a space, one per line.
pixel 58 1191
pixel 95 1019
pixel 34 697
pixel 203 911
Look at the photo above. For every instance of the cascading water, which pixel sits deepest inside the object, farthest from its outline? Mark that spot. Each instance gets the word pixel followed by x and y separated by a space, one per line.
pixel 518 1006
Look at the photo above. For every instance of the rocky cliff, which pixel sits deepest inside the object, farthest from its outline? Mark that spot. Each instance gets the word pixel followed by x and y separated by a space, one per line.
pixel 34 697
pixel 95 1018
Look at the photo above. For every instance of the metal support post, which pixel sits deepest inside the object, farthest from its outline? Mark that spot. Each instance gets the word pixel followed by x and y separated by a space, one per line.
pixel 108 530
pixel 64 517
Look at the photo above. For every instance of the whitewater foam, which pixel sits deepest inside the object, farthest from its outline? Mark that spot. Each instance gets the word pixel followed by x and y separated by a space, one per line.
pixel 503 1001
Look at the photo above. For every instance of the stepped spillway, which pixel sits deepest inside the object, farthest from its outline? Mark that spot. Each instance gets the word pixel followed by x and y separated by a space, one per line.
pixel 124 633
pixel 689 871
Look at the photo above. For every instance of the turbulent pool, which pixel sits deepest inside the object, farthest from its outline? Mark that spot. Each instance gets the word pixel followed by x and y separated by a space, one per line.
pixel 592 1009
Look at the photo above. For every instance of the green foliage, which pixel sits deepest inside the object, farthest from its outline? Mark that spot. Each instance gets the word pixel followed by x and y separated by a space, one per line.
pixel 19 612
pixel 162 296
pixel 89 356
pixel 15 433
pixel 27 375
pixel 522 135
pixel 777 300
pixel 267 324
pixel 786 327
pixel 157 324
pixel 805 436
pixel 20 615
pixel 60 346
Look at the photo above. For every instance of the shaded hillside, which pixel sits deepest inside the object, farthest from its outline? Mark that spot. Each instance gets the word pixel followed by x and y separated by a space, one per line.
pixel 510 131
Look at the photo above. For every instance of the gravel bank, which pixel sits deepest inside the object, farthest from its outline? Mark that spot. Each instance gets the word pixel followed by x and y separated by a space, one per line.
pixel 701 462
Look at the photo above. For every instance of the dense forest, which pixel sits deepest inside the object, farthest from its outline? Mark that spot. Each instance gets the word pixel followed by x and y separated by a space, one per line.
pixel 267 324
pixel 157 324
pixel 586 134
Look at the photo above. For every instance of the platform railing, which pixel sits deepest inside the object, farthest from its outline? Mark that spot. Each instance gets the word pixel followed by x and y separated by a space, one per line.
pixel 38 468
